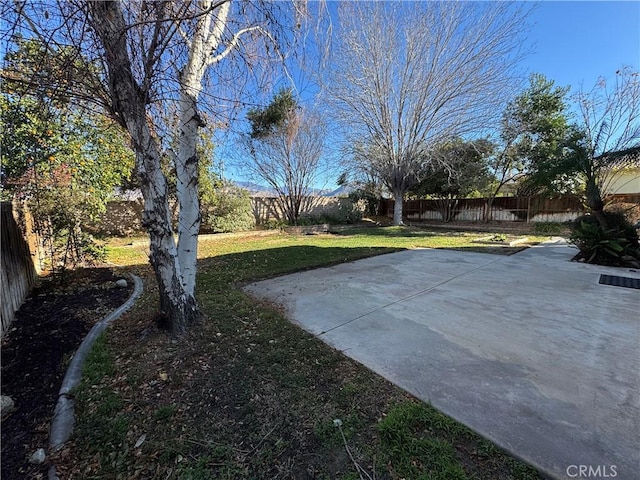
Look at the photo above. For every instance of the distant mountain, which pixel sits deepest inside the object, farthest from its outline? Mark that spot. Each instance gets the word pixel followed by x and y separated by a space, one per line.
pixel 339 192
pixel 257 190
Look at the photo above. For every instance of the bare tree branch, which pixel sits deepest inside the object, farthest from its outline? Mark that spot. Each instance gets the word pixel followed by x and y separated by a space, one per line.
pixel 234 41
pixel 406 76
pixel 286 151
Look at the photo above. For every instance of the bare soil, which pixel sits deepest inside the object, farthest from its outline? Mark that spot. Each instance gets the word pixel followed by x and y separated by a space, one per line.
pixel 36 350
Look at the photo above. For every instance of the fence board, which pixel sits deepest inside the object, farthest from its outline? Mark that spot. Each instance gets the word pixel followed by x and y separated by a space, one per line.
pixel 517 209
pixel 17 269
pixel 624 198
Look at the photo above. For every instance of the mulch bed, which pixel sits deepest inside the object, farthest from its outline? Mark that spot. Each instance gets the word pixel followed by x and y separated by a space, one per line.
pixel 36 350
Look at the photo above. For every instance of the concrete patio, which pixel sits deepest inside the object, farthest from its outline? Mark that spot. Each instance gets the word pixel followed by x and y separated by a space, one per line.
pixel 528 350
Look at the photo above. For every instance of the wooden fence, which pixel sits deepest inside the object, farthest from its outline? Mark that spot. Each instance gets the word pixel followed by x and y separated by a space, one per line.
pixel 536 208
pixel 624 198
pixel 18 271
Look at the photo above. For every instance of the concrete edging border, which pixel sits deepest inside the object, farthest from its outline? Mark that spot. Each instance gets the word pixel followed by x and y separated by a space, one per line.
pixel 63 416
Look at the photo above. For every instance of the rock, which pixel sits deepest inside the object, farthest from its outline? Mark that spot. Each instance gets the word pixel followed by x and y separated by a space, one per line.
pixel 38 457
pixel 122 283
pixel 7 405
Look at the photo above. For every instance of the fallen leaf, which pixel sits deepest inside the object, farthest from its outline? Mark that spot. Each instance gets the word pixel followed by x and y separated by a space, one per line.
pixel 140 441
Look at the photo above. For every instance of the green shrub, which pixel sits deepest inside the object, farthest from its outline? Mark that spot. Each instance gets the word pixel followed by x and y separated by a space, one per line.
pixel 615 245
pixel 368 197
pixel 549 228
pixel 59 212
pixel 350 212
pixel 306 220
pixel 275 224
pixel 344 216
pixel 227 209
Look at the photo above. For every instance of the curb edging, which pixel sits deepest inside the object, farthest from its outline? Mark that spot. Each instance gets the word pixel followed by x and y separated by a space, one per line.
pixel 63 416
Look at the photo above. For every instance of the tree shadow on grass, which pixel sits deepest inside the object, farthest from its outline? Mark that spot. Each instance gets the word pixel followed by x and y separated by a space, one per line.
pixel 490 249
pixel 387 232
pixel 254 265
pixel 414 231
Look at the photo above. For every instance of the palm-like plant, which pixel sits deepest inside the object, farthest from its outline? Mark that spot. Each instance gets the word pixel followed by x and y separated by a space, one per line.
pixel 609 136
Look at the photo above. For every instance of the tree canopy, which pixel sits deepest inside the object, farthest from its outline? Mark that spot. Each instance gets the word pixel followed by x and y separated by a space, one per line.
pixel 275 116
pixel 404 77
pixel 459 170
pixel 608 126
pixel 63 161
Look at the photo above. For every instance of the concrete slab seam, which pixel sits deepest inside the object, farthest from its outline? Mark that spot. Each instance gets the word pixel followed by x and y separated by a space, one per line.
pixel 63 417
pixel 413 295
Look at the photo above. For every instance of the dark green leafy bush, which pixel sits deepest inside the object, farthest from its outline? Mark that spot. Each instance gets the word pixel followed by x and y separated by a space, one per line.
pixel 308 220
pixel 368 197
pixel 275 224
pixel 615 245
pixel 59 211
pixel 347 213
pixel 350 212
pixel 227 209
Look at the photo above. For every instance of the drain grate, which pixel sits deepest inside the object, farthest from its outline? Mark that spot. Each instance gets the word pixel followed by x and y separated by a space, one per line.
pixel 620 281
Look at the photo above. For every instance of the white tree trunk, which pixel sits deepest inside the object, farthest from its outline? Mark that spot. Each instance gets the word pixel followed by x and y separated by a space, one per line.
pixel 174 265
pixel 398 198
pixel 187 191
pixel 176 305
pixel 205 41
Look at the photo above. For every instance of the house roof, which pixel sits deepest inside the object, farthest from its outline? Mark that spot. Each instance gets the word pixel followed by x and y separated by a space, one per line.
pixel 627 158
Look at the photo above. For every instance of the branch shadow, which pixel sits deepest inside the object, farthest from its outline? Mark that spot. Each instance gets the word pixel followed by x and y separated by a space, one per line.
pixel 244 267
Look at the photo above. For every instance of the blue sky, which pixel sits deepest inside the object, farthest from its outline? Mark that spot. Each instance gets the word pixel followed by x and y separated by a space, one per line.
pixel 574 43
pixel 571 42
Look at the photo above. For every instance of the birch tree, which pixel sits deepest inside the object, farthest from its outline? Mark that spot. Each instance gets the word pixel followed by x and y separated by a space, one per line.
pixel 158 59
pixel 405 76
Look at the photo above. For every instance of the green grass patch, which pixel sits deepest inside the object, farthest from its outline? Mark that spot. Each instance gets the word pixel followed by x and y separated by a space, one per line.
pixel 409 445
pixel 261 256
pixel 247 394
pixel 99 363
pixel 202 467
pixel 104 425
pixel 418 442
pixel 164 413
